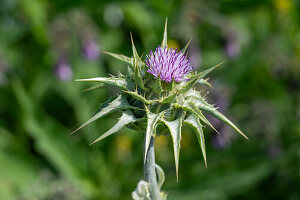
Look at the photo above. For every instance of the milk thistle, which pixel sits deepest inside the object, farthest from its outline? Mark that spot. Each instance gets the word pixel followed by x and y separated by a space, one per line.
pixel 158 96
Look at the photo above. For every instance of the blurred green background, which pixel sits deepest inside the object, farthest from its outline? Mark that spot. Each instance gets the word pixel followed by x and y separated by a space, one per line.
pixel 46 44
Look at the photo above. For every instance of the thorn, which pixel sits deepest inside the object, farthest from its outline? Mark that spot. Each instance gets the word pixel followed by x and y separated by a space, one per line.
pixel 132 43
pixel 92 143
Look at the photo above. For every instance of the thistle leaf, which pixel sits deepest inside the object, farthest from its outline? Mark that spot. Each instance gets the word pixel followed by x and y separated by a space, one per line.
pixel 120 57
pixel 190 107
pixel 126 118
pixel 200 115
pixel 204 82
pixel 136 59
pixel 98 86
pixel 197 77
pixel 136 63
pixel 108 107
pixel 139 97
pixel 164 43
pixel 138 79
pixel 195 97
pixel 170 98
pixel 117 82
pixel 157 87
pixel 196 125
pixel 207 71
pixel 186 46
pixel 215 113
pixel 175 130
pixel 152 119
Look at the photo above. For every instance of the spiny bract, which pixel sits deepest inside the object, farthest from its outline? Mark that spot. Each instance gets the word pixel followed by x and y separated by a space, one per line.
pixel 160 93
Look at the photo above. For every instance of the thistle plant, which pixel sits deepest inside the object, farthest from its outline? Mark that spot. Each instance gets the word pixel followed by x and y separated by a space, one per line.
pixel 158 96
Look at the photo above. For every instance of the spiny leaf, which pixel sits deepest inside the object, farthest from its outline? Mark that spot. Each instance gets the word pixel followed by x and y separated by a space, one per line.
pixel 117 82
pixel 204 82
pixel 137 64
pixel 189 84
pixel 152 119
pixel 100 85
pixel 108 107
pixel 215 113
pixel 175 130
pixel 205 72
pixel 157 87
pixel 186 46
pixel 200 115
pixel 138 79
pixel 126 118
pixel 196 125
pixel 120 57
pixel 136 59
pixel 164 42
pixel 190 107
pixel 195 98
pixel 170 98
pixel 139 97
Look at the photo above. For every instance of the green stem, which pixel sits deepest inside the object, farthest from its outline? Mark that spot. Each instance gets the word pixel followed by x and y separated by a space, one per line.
pixel 150 172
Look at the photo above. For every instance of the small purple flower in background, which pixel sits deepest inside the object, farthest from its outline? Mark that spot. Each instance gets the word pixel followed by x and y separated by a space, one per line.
pixel 63 71
pixel 168 65
pixel 90 49
pixel 232 46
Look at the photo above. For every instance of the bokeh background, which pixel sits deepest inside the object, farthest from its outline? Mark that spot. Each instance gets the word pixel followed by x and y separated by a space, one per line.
pixel 46 44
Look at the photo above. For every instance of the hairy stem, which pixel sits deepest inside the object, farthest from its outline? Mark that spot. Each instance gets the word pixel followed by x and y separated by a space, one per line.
pixel 150 172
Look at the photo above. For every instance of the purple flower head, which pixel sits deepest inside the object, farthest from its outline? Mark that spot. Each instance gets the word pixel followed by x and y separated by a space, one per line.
pixel 63 71
pixel 168 64
pixel 91 50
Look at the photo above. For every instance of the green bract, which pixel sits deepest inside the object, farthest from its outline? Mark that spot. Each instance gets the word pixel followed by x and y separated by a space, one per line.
pixel 146 102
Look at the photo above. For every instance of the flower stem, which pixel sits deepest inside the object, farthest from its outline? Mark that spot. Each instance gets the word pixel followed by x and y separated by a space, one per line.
pixel 150 172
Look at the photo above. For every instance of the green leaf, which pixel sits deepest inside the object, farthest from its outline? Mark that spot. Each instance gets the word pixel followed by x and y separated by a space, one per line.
pixel 152 119
pixel 205 72
pixel 196 125
pixel 126 118
pixel 108 107
pixel 117 82
pixel 98 86
pixel 120 57
pixel 137 63
pixel 190 107
pixel 186 46
pixel 175 130
pixel 186 87
pixel 204 82
pixel 196 98
pixel 136 59
pixel 200 115
pixel 139 97
pixel 157 87
pixel 215 113
pixel 170 98
pixel 164 43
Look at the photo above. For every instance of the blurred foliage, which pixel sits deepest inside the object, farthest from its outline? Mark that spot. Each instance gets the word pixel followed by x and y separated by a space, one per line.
pixel 45 44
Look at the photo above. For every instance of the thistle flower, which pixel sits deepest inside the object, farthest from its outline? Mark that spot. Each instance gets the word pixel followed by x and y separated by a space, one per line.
pixel 63 70
pixel 151 106
pixel 90 49
pixel 168 64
